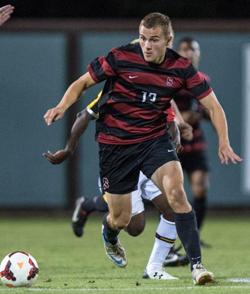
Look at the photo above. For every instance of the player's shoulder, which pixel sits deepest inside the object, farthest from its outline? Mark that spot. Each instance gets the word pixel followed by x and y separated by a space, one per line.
pixel 177 59
pixel 204 76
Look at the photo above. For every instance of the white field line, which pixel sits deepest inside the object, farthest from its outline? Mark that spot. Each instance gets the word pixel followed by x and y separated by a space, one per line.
pixel 138 289
pixel 126 289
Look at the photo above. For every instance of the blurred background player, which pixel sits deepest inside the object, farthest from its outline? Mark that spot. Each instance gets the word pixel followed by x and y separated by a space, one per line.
pixel 5 13
pixel 193 155
pixel 166 230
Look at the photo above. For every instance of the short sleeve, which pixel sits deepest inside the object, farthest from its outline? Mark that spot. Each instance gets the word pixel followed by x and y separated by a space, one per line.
pixel 102 67
pixel 196 83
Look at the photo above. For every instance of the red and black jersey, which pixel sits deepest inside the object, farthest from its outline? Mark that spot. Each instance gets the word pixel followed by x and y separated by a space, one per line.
pixel 137 94
pixel 186 101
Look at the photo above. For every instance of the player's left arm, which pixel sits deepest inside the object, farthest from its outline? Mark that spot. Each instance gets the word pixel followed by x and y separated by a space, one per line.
pixel 218 118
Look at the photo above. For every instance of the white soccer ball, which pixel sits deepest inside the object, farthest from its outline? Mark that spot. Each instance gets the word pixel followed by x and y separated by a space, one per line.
pixel 18 269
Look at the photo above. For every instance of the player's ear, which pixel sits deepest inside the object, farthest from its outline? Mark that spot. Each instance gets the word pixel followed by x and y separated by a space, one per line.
pixel 169 41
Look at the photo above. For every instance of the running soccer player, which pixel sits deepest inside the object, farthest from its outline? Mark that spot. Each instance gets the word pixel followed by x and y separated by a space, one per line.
pixel 166 231
pixel 131 131
pixel 5 13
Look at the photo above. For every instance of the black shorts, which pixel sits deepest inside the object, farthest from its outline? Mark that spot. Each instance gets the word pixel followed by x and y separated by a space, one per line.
pixel 193 161
pixel 120 165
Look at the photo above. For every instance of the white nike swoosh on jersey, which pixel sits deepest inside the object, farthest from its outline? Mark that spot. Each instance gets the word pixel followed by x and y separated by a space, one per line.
pixel 132 77
pixel 170 150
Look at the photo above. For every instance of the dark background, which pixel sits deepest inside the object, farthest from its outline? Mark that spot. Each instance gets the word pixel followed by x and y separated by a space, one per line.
pixel 47 44
pixel 233 9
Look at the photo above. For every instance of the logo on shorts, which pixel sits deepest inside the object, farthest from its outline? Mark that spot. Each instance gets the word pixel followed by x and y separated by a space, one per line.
pixel 170 82
pixel 105 183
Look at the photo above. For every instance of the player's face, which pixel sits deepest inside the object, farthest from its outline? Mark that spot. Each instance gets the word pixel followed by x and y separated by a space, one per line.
pixel 153 43
pixel 191 51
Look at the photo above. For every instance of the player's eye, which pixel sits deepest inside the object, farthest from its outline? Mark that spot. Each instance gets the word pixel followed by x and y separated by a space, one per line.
pixel 142 38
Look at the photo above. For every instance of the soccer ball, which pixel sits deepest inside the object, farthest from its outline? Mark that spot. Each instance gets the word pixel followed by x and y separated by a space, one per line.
pixel 18 269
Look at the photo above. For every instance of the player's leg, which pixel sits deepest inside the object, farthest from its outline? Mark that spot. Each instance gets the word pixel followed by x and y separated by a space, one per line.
pixel 173 258
pixel 167 225
pixel 83 208
pixel 165 233
pixel 165 237
pixel 119 174
pixel 117 219
pixel 137 222
pixel 196 166
pixel 169 178
pixel 199 181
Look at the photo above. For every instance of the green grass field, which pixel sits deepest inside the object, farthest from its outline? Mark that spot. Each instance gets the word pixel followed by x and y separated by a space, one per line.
pixel 71 265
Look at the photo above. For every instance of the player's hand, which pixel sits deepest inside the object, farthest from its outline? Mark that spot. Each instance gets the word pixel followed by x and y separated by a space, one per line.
pixel 174 135
pixel 5 13
pixel 186 131
pixel 57 157
pixel 227 155
pixel 53 114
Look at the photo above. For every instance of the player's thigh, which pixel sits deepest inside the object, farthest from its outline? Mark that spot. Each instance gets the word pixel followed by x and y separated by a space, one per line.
pixel 159 153
pixel 169 176
pixel 119 168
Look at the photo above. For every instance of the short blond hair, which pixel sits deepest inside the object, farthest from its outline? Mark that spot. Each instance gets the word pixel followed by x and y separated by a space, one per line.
pixel 155 19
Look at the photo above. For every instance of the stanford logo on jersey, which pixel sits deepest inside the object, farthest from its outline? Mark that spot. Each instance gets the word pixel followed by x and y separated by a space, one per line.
pixel 170 82
pixel 105 183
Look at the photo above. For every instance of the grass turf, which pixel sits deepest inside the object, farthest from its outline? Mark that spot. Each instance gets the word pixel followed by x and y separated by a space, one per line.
pixel 74 265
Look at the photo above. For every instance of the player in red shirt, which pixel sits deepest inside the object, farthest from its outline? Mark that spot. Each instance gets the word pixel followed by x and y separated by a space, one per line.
pixel 193 155
pixel 131 131
pixel 166 232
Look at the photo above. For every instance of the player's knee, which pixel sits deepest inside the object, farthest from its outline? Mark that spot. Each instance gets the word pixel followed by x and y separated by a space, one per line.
pixel 168 215
pixel 135 229
pixel 177 198
pixel 121 222
pixel 199 190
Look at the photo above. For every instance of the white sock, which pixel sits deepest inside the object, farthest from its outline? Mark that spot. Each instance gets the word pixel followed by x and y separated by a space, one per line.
pixel 164 239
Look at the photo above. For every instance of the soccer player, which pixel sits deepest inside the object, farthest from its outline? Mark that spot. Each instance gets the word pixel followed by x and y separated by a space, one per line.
pixel 193 155
pixel 131 131
pixel 5 13
pixel 166 231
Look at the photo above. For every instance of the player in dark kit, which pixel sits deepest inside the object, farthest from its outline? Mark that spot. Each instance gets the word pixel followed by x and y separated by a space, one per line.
pixel 166 232
pixel 131 131
pixel 193 154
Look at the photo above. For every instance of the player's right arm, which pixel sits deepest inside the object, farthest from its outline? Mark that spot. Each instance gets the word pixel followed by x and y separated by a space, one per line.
pixel 80 125
pixel 70 97
pixel 99 69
